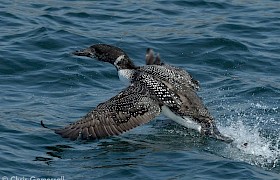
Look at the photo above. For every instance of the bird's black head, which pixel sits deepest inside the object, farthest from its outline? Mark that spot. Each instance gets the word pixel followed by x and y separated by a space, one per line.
pixel 107 53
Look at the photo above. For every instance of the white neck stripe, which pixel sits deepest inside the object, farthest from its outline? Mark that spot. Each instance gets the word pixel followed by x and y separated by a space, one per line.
pixel 118 60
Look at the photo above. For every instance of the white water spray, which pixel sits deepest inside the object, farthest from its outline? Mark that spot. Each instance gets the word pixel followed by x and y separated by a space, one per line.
pixel 250 145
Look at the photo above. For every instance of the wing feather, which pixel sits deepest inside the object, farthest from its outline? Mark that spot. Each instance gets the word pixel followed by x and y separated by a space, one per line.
pixel 129 109
pixel 179 78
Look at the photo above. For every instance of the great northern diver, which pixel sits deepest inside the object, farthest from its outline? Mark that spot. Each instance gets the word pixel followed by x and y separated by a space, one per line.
pixel 153 89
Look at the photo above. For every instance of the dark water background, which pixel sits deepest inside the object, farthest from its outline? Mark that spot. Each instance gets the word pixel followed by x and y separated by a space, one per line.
pixel 231 47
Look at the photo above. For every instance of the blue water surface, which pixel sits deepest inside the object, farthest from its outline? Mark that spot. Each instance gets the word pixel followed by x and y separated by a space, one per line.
pixel 231 47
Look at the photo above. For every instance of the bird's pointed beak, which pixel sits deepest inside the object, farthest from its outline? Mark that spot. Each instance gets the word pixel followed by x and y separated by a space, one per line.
pixel 85 52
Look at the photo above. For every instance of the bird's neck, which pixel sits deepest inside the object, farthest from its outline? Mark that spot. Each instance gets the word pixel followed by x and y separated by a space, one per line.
pixel 126 75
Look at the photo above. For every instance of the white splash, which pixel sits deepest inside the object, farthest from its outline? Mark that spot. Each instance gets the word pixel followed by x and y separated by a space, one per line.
pixel 250 145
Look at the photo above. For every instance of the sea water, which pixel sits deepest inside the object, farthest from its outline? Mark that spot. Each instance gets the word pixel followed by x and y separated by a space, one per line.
pixel 231 47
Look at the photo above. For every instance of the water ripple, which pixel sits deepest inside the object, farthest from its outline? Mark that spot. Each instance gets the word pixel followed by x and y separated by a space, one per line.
pixel 231 47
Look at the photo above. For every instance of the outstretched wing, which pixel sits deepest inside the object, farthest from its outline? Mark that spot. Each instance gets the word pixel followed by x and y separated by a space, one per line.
pixel 129 109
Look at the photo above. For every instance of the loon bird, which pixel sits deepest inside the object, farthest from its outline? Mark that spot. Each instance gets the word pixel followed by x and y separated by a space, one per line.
pixel 153 89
